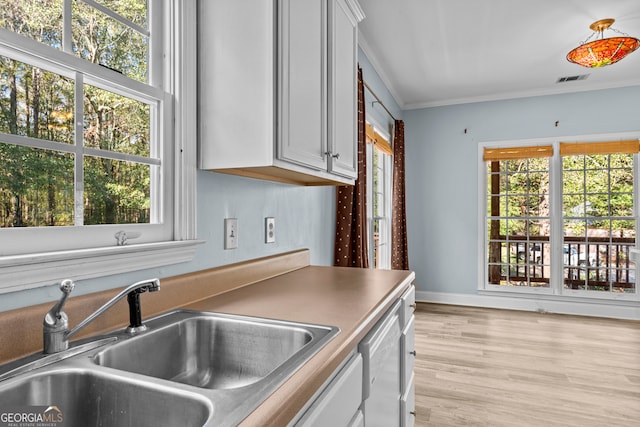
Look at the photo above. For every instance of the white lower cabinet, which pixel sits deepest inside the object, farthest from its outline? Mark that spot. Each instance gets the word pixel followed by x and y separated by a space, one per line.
pixel 408 359
pixel 375 386
pixel 407 405
pixel 338 403
pixel 381 355
pixel 408 350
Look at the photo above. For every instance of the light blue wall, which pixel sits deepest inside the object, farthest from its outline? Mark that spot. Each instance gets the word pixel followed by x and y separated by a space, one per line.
pixel 305 218
pixel 441 162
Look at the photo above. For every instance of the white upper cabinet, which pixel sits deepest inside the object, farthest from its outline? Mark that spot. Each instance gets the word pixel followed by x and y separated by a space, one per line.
pixel 277 89
pixel 302 79
pixel 343 89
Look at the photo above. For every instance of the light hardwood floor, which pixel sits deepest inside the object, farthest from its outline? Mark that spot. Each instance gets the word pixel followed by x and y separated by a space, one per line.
pixel 486 367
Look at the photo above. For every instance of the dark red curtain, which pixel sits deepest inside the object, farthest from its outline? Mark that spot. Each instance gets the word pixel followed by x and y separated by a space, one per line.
pixel 399 246
pixel 351 247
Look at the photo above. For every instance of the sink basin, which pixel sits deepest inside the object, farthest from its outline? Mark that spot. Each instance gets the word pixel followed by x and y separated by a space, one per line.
pixel 216 351
pixel 84 399
pixel 189 368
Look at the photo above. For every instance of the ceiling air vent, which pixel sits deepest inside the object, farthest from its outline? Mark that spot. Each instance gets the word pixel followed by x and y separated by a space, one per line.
pixel 572 78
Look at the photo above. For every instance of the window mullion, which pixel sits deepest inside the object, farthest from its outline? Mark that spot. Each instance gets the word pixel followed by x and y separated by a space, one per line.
pixel 79 155
pixel 557 222
pixel 67 39
pixel 163 49
pixel 636 210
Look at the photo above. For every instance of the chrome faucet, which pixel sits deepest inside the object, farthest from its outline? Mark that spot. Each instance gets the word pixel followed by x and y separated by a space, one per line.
pixel 56 331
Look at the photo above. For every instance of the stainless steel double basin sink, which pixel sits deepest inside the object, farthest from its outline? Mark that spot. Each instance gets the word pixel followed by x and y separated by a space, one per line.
pixel 190 368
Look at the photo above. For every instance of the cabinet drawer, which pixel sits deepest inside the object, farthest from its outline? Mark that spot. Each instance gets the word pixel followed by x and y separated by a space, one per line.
pixel 408 349
pixel 341 399
pixel 408 406
pixel 408 300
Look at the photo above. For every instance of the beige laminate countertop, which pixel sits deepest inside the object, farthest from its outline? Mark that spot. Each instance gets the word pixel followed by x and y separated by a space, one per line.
pixel 351 299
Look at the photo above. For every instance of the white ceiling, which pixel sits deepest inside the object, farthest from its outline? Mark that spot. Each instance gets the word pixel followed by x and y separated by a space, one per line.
pixel 442 52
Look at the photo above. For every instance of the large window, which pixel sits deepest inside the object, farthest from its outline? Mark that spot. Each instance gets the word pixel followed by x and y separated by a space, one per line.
pixel 379 163
pixel 87 137
pixel 518 217
pixel 561 218
pixel 599 225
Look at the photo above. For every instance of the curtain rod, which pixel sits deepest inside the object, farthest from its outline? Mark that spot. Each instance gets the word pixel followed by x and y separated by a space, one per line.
pixel 378 100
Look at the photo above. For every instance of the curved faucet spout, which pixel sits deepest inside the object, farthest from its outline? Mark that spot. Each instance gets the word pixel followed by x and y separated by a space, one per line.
pixel 56 338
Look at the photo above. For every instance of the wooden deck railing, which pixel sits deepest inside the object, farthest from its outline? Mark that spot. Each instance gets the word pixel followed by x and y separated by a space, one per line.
pixel 595 262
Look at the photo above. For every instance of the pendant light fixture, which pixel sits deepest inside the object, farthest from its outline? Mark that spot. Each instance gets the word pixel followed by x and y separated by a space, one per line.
pixel 602 52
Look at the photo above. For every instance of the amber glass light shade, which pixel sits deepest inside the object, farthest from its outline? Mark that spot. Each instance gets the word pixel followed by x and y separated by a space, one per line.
pixel 600 53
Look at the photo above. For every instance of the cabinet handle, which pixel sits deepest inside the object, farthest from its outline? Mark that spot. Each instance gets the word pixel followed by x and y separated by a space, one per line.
pixel 413 306
pixel 413 413
pixel 413 352
pixel 335 156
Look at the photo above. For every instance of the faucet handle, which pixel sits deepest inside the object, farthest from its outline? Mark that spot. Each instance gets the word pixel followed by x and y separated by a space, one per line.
pixel 56 313
pixel 56 323
pixel 66 286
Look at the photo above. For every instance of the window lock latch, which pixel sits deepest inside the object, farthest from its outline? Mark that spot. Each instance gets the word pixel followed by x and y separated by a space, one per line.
pixel 122 237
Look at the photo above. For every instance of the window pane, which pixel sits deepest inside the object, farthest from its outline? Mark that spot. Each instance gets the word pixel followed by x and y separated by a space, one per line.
pixel 116 192
pixel 40 20
pixel 517 227
pixel 100 39
pixel 133 10
pixel 597 205
pixel 36 187
pixel 116 123
pixel 572 181
pixel 597 181
pixel 518 224
pixel 599 226
pixel 35 103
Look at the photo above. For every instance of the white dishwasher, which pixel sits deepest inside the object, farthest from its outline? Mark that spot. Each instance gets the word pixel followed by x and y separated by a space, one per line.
pixel 380 351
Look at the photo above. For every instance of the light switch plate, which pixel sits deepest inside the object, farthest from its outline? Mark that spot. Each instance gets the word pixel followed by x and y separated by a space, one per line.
pixel 230 233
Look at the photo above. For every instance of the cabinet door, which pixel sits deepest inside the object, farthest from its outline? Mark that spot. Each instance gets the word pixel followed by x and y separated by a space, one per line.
pixel 302 83
pixel 236 76
pixel 338 404
pixel 408 406
pixel 343 114
pixel 408 349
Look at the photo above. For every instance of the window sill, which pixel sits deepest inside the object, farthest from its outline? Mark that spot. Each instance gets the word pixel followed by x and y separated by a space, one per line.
pixel 22 272
pixel 580 297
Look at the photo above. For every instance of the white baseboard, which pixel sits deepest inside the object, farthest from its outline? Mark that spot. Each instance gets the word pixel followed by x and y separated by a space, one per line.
pixel 599 308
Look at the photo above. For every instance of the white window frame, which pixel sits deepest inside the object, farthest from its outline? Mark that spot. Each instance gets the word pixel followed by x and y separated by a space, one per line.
pixel 385 219
pixel 32 266
pixel 556 288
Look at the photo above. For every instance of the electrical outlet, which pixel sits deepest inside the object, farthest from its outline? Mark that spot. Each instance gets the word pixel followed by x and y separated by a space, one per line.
pixel 230 233
pixel 269 230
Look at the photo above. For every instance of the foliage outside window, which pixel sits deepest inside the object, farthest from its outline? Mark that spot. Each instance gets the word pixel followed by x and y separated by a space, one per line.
pixel 94 149
pixel 579 247
pixel 79 141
